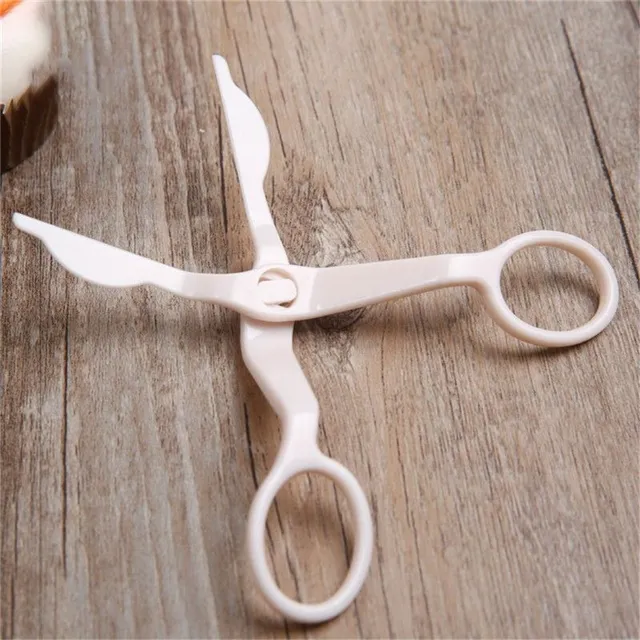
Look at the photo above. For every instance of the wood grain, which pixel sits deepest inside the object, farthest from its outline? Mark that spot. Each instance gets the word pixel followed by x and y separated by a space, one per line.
pixel 503 479
pixel 611 100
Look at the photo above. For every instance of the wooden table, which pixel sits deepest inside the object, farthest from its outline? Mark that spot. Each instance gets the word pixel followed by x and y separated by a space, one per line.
pixel 503 478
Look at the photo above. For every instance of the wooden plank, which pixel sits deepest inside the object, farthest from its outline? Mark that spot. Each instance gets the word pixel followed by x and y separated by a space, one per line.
pixel 503 478
pixel 607 68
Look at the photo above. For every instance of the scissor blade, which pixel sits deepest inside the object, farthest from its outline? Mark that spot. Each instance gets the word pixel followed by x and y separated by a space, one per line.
pixel 109 266
pixel 251 149
pixel 93 260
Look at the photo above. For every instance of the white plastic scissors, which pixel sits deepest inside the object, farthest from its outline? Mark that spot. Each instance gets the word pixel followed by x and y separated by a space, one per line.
pixel 274 294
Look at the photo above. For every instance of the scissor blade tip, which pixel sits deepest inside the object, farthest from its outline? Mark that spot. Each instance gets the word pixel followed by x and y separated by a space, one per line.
pixel 219 62
pixel 19 219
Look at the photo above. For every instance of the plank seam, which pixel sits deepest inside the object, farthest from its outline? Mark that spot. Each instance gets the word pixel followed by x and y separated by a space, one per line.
pixel 65 431
pixel 634 10
pixel 605 168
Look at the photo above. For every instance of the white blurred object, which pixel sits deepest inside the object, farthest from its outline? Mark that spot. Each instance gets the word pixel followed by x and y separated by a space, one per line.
pixel 25 41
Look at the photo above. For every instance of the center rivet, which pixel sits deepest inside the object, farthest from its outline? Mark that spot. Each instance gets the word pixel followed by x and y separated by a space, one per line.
pixel 277 288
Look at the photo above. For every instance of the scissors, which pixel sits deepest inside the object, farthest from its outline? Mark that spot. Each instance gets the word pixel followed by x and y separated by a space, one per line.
pixel 274 294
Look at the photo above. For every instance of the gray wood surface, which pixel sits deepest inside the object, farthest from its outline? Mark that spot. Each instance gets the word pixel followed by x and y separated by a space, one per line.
pixel 503 478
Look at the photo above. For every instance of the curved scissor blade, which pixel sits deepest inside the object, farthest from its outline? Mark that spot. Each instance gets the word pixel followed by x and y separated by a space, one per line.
pixel 109 266
pixel 96 261
pixel 250 145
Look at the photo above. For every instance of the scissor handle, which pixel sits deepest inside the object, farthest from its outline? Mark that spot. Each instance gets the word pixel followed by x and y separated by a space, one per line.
pixel 312 460
pixel 491 263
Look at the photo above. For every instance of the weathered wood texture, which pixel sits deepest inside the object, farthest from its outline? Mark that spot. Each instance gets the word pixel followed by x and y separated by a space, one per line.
pixel 504 479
